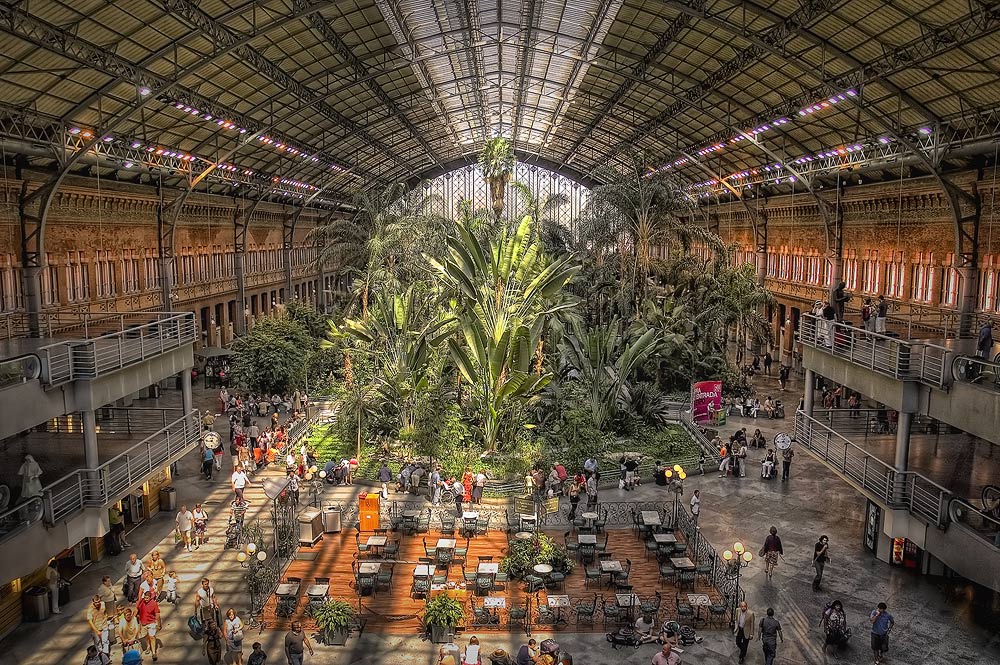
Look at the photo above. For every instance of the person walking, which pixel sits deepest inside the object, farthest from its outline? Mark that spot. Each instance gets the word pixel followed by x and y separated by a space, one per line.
pixel 695 506
pixel 296 642
pixel 666 656
pixel 768 359
pixel 434 486
pixel 783 377
pixel 212 643
pixel 882 623
pixel 786 461
pixel 207 459
pixel 881 312
pixel 743 629
pixel 97 621
pixel 821 554
pixel 770 634
pixel 149 618
pixel 134 568
pixel 458 495
pixel 206 604
pixel 158 568
pixel 234 637
pixel 771 551
pixel 574 497
pixel 258 656
pixel 129 630
pixel 200 525
pixel 239 480
pixel 183 523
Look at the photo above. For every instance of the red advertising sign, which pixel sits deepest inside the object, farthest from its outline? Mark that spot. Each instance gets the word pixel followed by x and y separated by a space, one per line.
pixel 706 403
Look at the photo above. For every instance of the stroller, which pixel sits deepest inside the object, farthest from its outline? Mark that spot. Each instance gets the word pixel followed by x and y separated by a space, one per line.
pixel 234 530
pixel 779 409
pixel 551 648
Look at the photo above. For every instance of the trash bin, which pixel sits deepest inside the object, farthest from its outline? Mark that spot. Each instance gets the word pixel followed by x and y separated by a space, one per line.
pixel 310 526
pixel 332 514
pixel 36 603
pixel 168 499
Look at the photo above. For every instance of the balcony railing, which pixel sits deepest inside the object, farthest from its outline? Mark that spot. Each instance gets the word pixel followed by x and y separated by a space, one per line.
pixel 113 420
pixel 905 490
pixel 93 357
pixel 906 360
pixel 20 517
pixel 982 523
pixel 96 488
pixel 15 371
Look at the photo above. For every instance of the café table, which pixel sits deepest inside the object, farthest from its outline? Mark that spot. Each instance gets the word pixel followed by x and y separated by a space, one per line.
pixel 470 515
pixel 610 568
pixel 376 543
pixel 488 568
pixel 317 591
pixel 494 602
pixel 698 601
pixel 587 539
pixel 542 568
pixel 445 544
pixel 558 602
pixel 664 538
pixel 369 568
pixel 682 563
pixel 287 590
pixel 628 602
pixel 590 517
pixel 423 570
pixel 650 518
pixel 523 535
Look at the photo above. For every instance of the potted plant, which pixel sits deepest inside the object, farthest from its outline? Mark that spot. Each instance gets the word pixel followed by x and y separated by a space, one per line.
pixel 334 619
pixel 441 615
pixel 496 161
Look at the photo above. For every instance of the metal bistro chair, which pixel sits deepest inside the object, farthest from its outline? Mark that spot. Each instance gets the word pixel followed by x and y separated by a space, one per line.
pixel 667 573
pixel 592 575
pixel 612 613
pixel 483 525
pixel 684 609
pixel 652 547
pixel 429 552
pixel 585 611
pixel 384 578
pixel 603 547
pixel 602 521
pixel 546 617
pixel 484 585
pixel 717 612
pixel 534 583
pixel 468 526
pixel 421 586
pixel 447 525
pixel 587 553
pixel 462 551
pixel 651 606
pixel 468 575
pixel 391 550
pixel 555 579
pixel 519 614
pixel 704 571
pixel 363 548
pixel 481 616
pixel 687 579
pixel 571 545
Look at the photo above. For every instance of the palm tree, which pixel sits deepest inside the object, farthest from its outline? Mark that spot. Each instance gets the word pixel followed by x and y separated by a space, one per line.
pixel 496 162
pixel 502 295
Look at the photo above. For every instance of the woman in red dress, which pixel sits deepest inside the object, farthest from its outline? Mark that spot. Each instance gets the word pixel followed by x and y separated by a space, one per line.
pixel 467 483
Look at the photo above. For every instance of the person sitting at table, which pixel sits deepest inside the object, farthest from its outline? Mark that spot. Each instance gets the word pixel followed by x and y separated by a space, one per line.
pixel 644 628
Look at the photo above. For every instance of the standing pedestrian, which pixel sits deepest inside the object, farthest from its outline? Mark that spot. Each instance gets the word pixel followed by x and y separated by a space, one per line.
pixel 666 656
pixel 149 618
pixel 770 634
pixel 882 311
pixel 434 486
pixel 234 637
pixel 984 345
pixel 129 630
pixel 840 299
pixel 695 506
pixel 786 461
pixel 296 642
pixel 768 359
pixel 206 604
pixel 257 656
pixel 206 464
pixel 821 554
pixel 385 477
pixel 458 495
pixel 158 567
pixel 52 580
pixel 213 643
pixel 478 485
pixel 882 622
pixel 183 523
pixel 574 497
pixel 771 551
pixel 240 480
pixel 293 487
pixel 743 629
pixel 868 315
pixel 592 491
pixel 783 377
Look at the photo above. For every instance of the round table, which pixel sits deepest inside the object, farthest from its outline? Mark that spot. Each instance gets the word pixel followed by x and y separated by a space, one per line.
pixel 542 568
pixel 589 516
pixel 524 535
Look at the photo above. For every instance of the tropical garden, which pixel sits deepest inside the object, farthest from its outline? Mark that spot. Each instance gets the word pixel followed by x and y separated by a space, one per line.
pixel 506 337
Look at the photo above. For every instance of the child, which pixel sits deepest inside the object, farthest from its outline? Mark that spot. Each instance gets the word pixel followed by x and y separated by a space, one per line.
pixel 172 587
pixel 258 657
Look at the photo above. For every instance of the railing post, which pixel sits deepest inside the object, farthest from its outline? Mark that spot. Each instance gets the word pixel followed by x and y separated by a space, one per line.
pixel 864 473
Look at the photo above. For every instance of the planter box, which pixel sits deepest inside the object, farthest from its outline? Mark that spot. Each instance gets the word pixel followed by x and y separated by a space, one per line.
pixel 441 634
pixel 336 637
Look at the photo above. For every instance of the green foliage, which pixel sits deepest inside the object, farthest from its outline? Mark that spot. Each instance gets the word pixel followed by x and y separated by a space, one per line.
pixel 271 357
pixel 496 159
pixel 502 295
pixel 334 615
pixel 443 610
pixel 523 555
pixel 306 315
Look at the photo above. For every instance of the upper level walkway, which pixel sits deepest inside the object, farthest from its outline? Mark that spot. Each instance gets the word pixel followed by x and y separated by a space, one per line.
pixel 936 378
pixel 86 361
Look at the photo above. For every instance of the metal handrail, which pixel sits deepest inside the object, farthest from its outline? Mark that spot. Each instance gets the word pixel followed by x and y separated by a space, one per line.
pixel 93 357
pixel 908 360
pixel 980 522
pixel 117 420
pixel 906 490
pixel 976 371
pixel 98 487
pixel 15 371
pixel 20 517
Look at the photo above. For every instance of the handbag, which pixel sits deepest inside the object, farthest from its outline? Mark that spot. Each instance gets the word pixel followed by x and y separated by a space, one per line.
pixel 762 552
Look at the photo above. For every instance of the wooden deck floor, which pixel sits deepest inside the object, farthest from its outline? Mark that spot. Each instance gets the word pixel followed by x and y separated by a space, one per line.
pixel 396 611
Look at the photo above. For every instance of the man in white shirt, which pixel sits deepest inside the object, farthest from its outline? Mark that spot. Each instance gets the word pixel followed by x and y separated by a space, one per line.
pixel 644 629
pixel 205 602
pixel 695 506
pixel 240 480
pixel 134 569
pixel 183 523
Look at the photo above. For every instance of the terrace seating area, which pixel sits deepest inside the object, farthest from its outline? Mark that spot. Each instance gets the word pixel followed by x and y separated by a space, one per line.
pixel 390 573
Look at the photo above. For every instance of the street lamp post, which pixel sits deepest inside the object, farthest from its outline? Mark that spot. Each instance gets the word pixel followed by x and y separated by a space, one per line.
pixel 252 558
pixel 736 560
pixel 676 486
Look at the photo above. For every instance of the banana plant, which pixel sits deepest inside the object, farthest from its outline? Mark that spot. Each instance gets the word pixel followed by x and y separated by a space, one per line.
pixel 398 334
pixel 607 359
pixel 502 294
